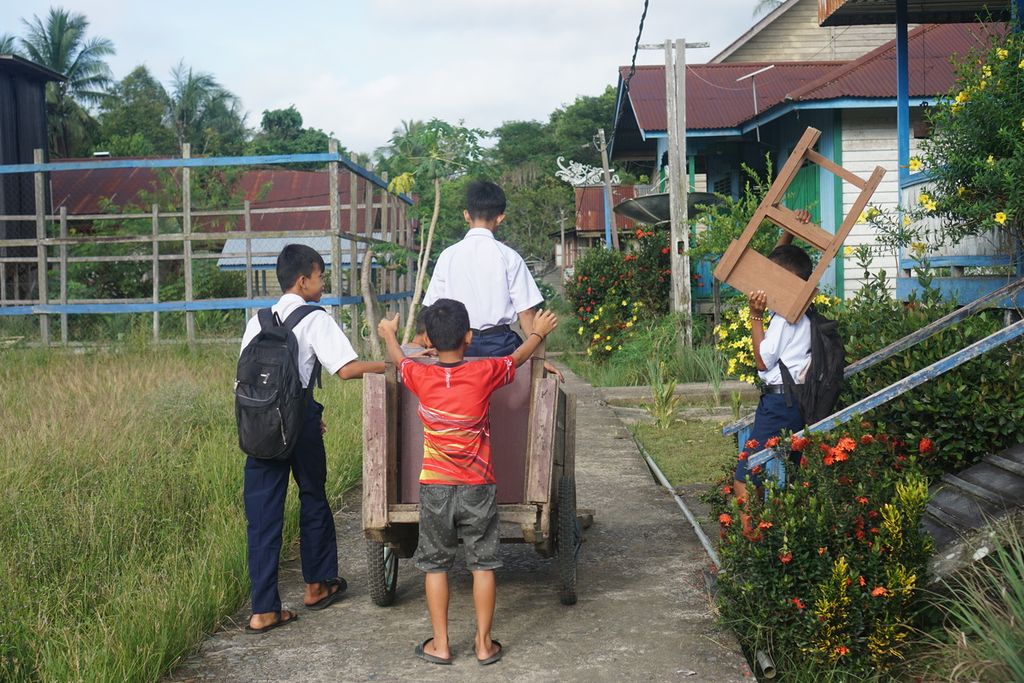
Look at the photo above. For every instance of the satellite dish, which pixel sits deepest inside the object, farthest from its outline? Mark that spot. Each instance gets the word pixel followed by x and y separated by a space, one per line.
pixel 654 208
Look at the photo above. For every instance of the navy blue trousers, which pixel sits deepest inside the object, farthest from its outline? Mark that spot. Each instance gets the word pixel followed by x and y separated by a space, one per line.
pixel 494 345
pixel 773 416
pixel 266 484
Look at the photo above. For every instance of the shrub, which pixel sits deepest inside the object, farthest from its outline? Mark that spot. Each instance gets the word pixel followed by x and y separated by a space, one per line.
pixel 825 574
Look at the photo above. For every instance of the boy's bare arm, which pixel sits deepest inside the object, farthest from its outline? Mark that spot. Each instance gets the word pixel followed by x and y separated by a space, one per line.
pixel 758 302
pixel 802 215
pixel 526 319
pixel 387 329
pixel 542 325
pixel 358 368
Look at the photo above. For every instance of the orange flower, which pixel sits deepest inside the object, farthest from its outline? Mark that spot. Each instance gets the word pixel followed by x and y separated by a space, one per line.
pixel 726 490
pixel 925 446
pixel 862 500
pixel 742 456
pixel 798 443
pixel 878 591
pixel 786 557
pixel 846 444
pixel 799 603
pixel 866 439
pixel 803 461
pixel 764 524
pixel 830 457
pixel 821 550
pixel 725 519
pixel 841 456
pixel 842 650
pixel 772 442
pixel 861 581
pixel 807 484
pixel 752 443
pixel 757 469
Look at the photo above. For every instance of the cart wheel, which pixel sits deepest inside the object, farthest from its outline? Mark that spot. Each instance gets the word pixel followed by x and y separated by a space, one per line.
pixel 382 572
pixel 568 542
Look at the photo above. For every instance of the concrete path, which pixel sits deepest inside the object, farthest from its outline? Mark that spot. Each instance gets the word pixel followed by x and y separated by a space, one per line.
pixel 643 612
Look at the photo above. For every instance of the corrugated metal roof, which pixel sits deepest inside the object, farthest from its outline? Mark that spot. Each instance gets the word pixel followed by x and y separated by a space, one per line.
pixel 713 97
pixel 929 48
pixel 861 12
pixel 83 192
pixel 590 207
pixel 233 253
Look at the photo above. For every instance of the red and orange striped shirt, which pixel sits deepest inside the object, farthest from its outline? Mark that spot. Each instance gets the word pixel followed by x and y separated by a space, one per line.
pixel 453 409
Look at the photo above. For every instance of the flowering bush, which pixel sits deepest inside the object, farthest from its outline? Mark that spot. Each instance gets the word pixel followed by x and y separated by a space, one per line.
pixel 732 337
pixel 976 154
pixel 612 291
pixel 825 573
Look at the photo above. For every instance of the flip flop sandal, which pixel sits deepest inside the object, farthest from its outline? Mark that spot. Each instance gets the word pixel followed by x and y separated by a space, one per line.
pixel 426 656
pixel 493 658
pixel 281 621
pixel 330 598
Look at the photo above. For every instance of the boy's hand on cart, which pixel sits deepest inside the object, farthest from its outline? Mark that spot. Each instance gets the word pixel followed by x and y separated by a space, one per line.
pixel 544 323
pixel 552 370
pixel 388 326
pixel 425 353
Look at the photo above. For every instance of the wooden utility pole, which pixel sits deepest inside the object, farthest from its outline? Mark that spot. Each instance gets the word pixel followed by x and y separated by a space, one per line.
pixel 561 231
pixel 608 217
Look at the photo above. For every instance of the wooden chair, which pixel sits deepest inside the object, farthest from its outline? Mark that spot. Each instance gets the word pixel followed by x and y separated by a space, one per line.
pixel 747 270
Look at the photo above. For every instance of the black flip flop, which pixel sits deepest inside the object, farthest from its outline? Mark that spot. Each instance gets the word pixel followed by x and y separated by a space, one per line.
pixel 427 657
pixel 281 621
pixel 330 598
pixel 493 658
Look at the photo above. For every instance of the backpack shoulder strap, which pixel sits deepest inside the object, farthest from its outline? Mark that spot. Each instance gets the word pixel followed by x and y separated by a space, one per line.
pixel 298 314
pixel 266 318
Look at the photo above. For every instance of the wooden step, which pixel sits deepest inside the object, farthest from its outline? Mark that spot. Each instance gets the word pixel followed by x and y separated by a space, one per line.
pixel 1005 464
pixel 977 491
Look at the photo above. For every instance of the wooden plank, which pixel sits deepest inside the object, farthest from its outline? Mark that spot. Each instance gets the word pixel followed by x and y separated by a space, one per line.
pixel 64 275
pixel 353 259
pixel 1005 464
pixel 836 169
pixel 945 518
pixel 975 490
pixel 41 265
pixel 391 449
pixel 186 226
pixel 406 513
pixel 541 445
pixel 375 444
pixel 787 220
pixel 335 228
pixel 154 212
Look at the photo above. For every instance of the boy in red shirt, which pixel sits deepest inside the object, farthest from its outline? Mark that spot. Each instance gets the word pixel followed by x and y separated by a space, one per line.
pixel 457 485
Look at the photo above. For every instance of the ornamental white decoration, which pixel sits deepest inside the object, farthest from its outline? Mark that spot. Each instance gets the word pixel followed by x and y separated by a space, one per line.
pixel 577 173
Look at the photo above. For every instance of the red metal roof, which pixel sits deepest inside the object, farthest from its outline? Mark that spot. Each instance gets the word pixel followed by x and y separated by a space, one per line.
pixel 929 47
pixel 82 192
pixel 715 100
pixel 713 97
pixel 590 207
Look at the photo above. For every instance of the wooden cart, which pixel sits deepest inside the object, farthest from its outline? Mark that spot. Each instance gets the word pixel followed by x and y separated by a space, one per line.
pixel 533 452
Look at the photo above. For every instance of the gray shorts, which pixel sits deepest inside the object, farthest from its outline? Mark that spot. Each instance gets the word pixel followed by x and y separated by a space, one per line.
pixel 448 513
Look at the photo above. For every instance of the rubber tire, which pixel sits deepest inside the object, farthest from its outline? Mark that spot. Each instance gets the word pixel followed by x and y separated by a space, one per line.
pixel 381 572
pixel 568 540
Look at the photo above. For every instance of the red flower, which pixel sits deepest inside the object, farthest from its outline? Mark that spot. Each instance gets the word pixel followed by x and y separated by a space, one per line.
pixel 798 443
pixel 859 534
pixel 925 446
pixel 866 439
pixel 803 461
pixel 742 456
pixel 842 650
pixel 799 604
pixel 741 501
pixel 725 519
pixel 664 250
pixel 757 469
pixel 772 442
pixel 829 458
pixel 786 558
pixel 764 524
pixel 841 456
pixel 861 581
pixel 726 490
pixel 846 444
pixel 862 500
pixel 807 484
pixel 751 444
pixel 878 591
pixel 821 551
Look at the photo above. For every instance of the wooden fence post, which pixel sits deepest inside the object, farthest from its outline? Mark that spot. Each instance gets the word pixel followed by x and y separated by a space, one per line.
pixel 186 223
pixel 43 295
pixel 388 277
pixel 154 212
pixel 335 229
pixel 247 222
pixel 63 274
pixel 353 259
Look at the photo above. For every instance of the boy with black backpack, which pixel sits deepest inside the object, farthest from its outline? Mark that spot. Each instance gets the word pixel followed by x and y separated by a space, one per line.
pixel 794 393
pixel 280 428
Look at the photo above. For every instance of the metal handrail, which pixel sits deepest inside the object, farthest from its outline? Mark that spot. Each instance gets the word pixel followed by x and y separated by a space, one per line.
pixel 906 342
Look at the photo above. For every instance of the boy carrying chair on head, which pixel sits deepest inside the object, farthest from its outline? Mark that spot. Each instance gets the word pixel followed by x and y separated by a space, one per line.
pixel 458 496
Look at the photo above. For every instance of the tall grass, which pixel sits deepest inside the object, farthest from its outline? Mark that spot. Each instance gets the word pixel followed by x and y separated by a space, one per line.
pixel 983 638
pixel 121 520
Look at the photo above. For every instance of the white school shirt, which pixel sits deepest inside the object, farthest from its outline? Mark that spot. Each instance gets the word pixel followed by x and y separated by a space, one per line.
pixel 490 278
pixel 788 342
pixel 318 336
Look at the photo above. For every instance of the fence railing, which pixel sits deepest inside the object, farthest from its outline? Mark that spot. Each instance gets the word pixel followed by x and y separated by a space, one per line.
pixel 372 213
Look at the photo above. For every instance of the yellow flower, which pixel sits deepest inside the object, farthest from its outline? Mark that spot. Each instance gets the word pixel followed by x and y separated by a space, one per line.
pixel 1021 65
pixel 597 335
pixel 722 334
pixel 629 323
pixel 1002 53
pixel 847 251
pixel 906 220
pixel 590 352
pixel 986 71
pixel 962 97
pixel 607 347
pixel 1022 123
pixel 960 189
pixel 607 337
pixel 918 249
pixel 991 159
pixel 623 302
pixel 915 165
pixel 620 347
pixel 930 206
pixel 1000 218
pixel 580 331
pixel 982 83
pixel 923 198
pixel 863 217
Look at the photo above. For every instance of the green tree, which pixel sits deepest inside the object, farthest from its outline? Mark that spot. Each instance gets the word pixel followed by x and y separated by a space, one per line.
pixel 60 44
pixel 573 127
pixel 281 132
pixel 533 214
pixel 522 142
pixel 133 117
pixel 8 44
pixel 203 113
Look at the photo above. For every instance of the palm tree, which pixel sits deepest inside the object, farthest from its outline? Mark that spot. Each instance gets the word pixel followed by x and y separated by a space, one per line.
pixel 8 45
pixel 198 101
pixel 766 6
pixel 60 45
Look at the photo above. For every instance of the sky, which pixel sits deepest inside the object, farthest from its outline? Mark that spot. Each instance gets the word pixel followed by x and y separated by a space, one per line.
pixel 358 69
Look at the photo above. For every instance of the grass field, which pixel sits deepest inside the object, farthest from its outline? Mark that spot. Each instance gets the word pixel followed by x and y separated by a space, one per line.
pixel 121 522
pixel 689 451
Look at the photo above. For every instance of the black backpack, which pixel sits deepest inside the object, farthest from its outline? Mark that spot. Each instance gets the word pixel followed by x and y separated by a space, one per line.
pixel 270 402
pixel 823 382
